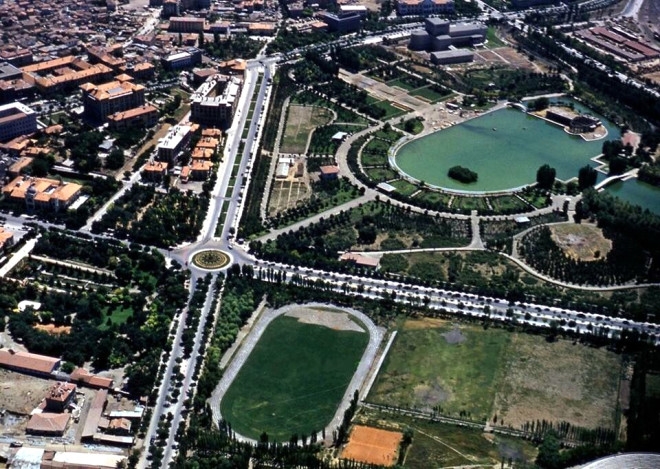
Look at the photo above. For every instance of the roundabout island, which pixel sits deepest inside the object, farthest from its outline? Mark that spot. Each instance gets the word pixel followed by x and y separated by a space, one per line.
pixel 211 259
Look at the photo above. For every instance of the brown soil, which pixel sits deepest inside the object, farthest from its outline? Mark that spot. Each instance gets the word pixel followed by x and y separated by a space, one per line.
pixel 337 320
pixel 372 446
pixel 53 329
pixel 583 242
pixel 20 393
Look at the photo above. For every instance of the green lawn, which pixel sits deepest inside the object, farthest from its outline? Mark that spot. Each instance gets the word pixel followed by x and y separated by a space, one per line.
pixel 404 187
pixel 381 174
pixel 390 110
pixel 293 380
pixel 428 93
pixel 469 203
pixel 423 370
pixel 493 40
pixel 434 197
pixel 401 83
pixel 118 316
pixel 507 203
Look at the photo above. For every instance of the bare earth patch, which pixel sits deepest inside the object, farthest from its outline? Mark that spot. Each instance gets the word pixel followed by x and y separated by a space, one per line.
pixel 20 393
pixel 429 395
pixel 584 242
pixel 339 321
pixel 557 382
pixel 372 446
pixel 455 336
pixel 425 323
pixel 53 329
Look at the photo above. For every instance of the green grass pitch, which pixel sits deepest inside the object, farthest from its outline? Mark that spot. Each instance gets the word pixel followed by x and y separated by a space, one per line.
pixel 293 380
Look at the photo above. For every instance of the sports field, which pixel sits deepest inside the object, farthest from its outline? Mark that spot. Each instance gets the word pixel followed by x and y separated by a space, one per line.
pixel 293 380
pixel 372 446
pixel 475 373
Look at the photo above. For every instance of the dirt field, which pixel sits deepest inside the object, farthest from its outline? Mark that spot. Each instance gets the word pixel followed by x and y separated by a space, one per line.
pixel 584 242
pixel 337 320
pixel 20 393
pixel 301 121
pixel 557 382
pixel 372 446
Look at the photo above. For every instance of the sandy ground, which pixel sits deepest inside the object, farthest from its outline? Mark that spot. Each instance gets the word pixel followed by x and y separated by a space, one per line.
pixel 581 241
pixel 372 446
pixel 339 321
pixel 20 393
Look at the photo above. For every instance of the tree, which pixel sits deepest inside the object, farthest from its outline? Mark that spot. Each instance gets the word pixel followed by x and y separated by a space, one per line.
pixel 545 176
pixel 115 159
pixel 586 177
pixel 617 165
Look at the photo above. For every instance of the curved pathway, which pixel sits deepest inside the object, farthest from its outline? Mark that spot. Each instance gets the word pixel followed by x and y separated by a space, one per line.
pixel 376 335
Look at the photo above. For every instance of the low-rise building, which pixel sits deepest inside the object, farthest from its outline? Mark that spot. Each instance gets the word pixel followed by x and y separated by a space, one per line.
pixel 28 363
pixel 184 59
pixel 16 119
pixel 424 7
pixel 186 24
pixel 48 424
pixel 342 23
pixel 200 170
pixel 455 56
pixel 155 171
pixel 82 376
pixel 329 172
pixel 42 193
pixel 143 116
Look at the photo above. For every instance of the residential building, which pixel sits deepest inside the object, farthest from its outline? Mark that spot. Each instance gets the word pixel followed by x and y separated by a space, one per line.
pixel 200 170
pixel 186 24
pixel 232 67
pixel 155 171
pixel 16 119
pixel 143 116
pixel 177 139
pixel 100 101
pixel 101 56
pixel 73 460
pixel 209 108
pixel 42 193
pixel 9 72
pixel 424 7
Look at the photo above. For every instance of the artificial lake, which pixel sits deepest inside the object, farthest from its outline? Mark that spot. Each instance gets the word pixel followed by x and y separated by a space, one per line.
pixel 504 147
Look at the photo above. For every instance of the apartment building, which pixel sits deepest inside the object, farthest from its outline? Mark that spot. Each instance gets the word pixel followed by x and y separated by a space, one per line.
pixel 16 119
pixel 101 101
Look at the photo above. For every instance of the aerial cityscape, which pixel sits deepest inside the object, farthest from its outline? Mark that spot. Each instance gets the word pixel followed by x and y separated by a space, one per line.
pixel 349 234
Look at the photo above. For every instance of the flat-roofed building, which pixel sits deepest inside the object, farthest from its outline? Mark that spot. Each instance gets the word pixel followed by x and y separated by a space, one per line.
pixel 186 24
pixel 207 108
pixel 29 363
pixel 343 22
pixel 100 101
pixel 74 460
pixel 261 29
pixel 424 7
pixel 16 119
pixel 176 139
pixel 42 193
pixel 184 59
pixel 455 56
pixel 143 116
pixel 9 72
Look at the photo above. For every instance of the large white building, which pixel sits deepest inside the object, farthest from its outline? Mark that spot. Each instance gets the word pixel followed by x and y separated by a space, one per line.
pixel 172 143
pixel 16 119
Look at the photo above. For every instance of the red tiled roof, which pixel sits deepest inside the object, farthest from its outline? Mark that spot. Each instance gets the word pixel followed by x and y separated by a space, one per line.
pixel 27 361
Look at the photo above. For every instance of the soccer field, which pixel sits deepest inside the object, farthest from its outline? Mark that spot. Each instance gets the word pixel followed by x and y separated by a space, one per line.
pixel 293 380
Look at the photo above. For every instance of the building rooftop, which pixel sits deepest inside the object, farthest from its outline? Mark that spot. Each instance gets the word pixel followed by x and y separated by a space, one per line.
pixel 46 422
pixel 28 361
pixel 70 459
pixel 131 113
pixel 111 90
pixel 83 376
pixel 94 414
pixel 60 392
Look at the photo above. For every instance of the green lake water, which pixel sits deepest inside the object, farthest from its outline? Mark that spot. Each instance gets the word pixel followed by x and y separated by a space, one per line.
pixel 637 193
pixel 505 148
